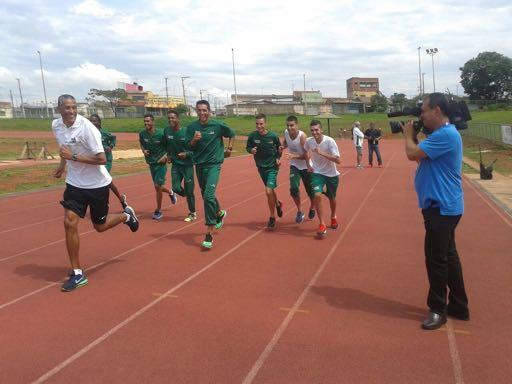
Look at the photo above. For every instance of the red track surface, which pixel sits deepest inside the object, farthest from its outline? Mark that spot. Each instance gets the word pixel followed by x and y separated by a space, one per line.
pixel 261 307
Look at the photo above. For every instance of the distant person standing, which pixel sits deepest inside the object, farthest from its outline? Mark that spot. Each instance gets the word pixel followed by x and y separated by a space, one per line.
pixel 182 169
pixel 358 138
pixel 87 183
pixel 325 155
pixel 373 135
pixel 294 140
pixel 109 142
pixel 151 142
pixel 205 139
pixel 266 148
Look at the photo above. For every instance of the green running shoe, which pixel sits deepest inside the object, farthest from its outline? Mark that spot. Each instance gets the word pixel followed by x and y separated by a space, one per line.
pixel 220 219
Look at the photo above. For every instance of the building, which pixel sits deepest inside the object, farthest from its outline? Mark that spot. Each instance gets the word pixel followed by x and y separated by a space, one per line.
pixel 139 102
pixel 6 111
pixel 362 88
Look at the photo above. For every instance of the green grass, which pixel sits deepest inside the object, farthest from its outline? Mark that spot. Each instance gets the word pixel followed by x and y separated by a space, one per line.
pixel 243 125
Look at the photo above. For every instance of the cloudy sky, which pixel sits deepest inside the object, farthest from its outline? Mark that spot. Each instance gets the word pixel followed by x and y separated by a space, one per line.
pixel 96 43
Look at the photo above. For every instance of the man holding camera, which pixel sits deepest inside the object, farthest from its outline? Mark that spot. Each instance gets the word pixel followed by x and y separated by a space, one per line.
pixel 373 135
pixel 438 184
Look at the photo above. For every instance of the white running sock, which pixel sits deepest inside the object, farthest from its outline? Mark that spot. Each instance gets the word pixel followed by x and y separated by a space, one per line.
pixel 127 217
pixel 77 272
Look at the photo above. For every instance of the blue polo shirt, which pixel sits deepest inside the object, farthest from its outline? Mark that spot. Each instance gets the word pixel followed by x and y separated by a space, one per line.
pixel 438 180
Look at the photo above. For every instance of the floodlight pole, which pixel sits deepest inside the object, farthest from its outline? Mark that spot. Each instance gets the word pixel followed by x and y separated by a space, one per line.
pixel 44 87
pixel 166 95
pixel 304 96
pixel 21 98
pixel 432 52
pixel 419 71
pixel 183 87
pixel 234 80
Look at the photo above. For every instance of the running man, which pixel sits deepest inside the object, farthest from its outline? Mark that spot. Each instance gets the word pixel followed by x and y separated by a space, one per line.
pixel 205 139
pixel 325 155
pixel 294 140
pixel 151 142
pixel 108 141
pixel 182 169
pixel 87 183
pixel 266 148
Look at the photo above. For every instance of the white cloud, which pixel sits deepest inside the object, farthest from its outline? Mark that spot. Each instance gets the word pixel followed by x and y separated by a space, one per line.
pixel 98 42
pixel 93 8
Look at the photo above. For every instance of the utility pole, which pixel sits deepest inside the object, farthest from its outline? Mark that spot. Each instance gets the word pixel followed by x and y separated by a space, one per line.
pixel 12 105
pixel 234 80
pixel 183 87
pixel 21 98
pixel 201 93
pixel 44 87
pixel 166 95
pixel 419 71
pixel 304 97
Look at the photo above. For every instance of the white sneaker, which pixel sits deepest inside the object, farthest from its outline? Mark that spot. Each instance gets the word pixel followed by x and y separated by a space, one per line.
pixel 191 217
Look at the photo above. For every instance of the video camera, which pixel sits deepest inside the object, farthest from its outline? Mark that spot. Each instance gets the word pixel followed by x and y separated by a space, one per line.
pixel 459 116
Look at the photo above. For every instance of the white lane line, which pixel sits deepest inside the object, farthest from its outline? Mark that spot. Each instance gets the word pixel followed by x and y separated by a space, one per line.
pixel 486 200
pixel 9 303
pixel 92 230
pixel 141 311
pixel 295 308
pixel 454 353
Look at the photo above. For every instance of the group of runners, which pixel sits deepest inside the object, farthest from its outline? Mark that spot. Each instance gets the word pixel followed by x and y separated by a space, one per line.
pixel 201 145
pixel 87 151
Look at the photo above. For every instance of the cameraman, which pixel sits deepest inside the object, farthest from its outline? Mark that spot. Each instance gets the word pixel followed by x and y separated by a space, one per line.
pixel 438 184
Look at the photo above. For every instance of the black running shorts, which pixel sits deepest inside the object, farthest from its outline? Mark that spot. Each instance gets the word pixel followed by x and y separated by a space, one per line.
pixel 78 199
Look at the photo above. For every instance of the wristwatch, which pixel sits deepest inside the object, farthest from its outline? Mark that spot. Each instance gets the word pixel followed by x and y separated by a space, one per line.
pixel 74 157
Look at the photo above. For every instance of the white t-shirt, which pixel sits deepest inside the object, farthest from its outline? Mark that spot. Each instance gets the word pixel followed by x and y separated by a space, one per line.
pixel 83 138
pixel 295 147
pixel 322 165
pixel 358 137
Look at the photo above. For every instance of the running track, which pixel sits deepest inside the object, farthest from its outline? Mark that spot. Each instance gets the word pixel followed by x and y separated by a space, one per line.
pixel 261 307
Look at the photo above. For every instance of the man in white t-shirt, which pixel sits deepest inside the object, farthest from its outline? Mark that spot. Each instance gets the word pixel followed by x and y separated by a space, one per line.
pixel 87 183
pixel 358 137
pixel 294 140
pixel 324 154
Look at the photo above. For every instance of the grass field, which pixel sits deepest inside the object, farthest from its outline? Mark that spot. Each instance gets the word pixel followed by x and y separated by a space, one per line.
pixel 245 124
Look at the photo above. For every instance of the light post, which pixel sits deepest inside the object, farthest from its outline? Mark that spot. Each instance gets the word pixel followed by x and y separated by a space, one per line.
pixel 166 95
pixel 183 87
pixel 423 81
pixel 21 98
pixel 432 52
pixel 44 87
pixel 234 80
pixel 419 71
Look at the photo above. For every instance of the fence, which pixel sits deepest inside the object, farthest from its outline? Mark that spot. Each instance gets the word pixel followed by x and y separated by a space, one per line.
pixel 497 133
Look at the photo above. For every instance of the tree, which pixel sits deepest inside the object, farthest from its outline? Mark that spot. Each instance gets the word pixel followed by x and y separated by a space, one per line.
pixel 181 109
pixel 399 101
pixel 379 103
pixel 487 77
pixel 112 96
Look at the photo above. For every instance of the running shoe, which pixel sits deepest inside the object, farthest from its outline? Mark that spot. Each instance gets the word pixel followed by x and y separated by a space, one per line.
pixel 191 217
pixel 132 222
pixel 279 209
pixel 311 214
pixel 173 197
pixel 208 241
pixel 157 215
pixel 124 204
pixel 74 281
pixel 299 218
pixel 370 165
pixel 322 230
pixel 334 223
pixel 271 223
pixel 220 219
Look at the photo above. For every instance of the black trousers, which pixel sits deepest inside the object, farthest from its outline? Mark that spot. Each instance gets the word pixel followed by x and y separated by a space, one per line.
pixel 443 265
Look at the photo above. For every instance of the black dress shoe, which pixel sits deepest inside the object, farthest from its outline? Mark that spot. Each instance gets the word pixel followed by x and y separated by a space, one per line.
pixel 433 321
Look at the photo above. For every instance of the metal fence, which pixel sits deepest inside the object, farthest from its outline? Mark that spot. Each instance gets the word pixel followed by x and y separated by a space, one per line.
pixel 490 131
